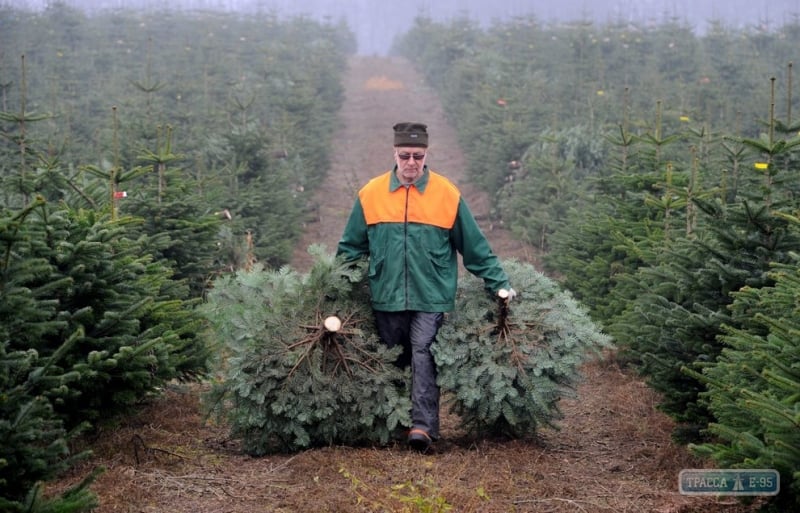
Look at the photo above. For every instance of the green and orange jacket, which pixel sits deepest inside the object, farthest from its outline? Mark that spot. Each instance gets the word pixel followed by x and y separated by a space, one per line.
pixel 412 236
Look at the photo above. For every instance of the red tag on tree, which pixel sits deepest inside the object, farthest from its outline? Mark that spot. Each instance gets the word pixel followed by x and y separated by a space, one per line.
pixel 120 194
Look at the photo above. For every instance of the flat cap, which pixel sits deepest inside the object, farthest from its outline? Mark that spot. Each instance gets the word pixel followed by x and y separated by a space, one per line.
pixel 411 134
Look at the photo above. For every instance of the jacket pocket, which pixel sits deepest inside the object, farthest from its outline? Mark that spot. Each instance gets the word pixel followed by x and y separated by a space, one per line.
pixel 375 266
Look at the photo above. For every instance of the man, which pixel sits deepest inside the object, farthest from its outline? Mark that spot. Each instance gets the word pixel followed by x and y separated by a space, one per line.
pixel 412 222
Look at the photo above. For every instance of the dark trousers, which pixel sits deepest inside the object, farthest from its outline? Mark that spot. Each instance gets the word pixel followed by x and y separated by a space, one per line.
pixel 415 332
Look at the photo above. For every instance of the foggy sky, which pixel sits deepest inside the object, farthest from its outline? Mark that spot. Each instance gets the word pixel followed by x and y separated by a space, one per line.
pixel 376 22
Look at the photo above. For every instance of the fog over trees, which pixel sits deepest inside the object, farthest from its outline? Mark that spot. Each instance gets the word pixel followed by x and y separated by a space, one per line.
pixel 377 22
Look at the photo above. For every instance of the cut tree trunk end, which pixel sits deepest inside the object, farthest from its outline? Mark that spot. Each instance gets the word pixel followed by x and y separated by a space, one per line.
pixel 332 323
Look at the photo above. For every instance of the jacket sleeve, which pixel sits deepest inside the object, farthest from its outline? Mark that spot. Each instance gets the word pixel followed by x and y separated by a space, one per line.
pixel 354 243
pixel 477 255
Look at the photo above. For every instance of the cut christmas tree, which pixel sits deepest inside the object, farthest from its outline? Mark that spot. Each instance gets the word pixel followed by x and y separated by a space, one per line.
pixel 504 365
pixel 302 364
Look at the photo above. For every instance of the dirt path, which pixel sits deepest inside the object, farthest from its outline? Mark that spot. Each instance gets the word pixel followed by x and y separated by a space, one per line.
pixel 613 453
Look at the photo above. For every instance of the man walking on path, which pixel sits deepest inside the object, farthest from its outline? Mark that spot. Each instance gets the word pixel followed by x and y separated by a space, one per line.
pixel 412 223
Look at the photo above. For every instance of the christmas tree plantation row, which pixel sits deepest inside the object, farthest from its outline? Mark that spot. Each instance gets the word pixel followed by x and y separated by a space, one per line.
pixel 657 169
pixel 143 154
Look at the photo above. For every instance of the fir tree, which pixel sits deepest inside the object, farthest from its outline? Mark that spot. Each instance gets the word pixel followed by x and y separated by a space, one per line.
pixel 551 178
pixel 33 439
pixel 506 366
pixel 677 317
pixel 77 499
pixel 624 223
pixel 260 196
pixel 176 216
pixel 34 442
pixel 73 271
pixel 287 378
pixel 752 387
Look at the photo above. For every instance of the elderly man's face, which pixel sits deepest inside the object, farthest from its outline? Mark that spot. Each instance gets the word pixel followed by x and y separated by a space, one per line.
pixel 410 162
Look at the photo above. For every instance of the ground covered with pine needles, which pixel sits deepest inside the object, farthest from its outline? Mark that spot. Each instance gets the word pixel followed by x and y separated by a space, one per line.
pixel 612 451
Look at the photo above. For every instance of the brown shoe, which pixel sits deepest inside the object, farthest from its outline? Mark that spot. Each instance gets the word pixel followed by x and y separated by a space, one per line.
pixel 419 440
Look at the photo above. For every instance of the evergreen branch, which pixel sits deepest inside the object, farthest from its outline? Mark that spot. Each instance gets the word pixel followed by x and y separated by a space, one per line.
pixel 81 192
pixel 342 358
pixel 308 327
pixel 308 340
pixel 363 364
pixel 368 355
pixel 147 87
pixel 311 341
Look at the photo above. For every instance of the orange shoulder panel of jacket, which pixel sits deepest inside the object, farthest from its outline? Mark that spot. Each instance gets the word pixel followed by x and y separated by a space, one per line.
pixel 438 206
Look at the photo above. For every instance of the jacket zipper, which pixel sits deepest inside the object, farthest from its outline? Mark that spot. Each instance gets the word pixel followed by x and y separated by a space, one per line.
pixel 405 247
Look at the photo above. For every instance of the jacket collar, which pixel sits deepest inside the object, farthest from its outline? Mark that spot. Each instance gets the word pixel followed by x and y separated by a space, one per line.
pixel 420 184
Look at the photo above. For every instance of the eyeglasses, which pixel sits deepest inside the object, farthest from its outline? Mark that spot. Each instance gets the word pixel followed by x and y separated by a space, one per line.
pixel 409 156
